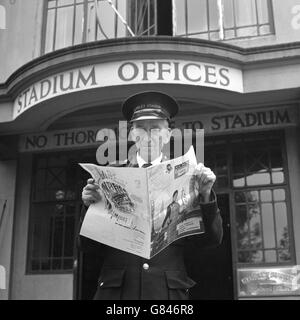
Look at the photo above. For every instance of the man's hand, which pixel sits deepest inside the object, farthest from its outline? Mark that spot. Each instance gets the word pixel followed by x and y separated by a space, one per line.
pixel 206 178
pixel 90 193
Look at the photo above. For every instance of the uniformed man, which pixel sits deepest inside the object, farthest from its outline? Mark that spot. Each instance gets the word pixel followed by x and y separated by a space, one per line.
pixel 125 275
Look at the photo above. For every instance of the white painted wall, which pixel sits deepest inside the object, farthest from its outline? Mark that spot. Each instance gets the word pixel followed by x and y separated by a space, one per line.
pixel 2 17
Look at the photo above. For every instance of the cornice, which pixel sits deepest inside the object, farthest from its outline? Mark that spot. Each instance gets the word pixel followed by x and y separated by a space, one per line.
pixel 127 48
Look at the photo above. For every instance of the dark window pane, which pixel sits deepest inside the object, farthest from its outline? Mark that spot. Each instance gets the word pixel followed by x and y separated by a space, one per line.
pixel 221 163
pixel 244 257
pixel 68 264
pixel 45 264
pixel 255 226
pixel 242 227
pixel 284 255
pixel 53 234
pixel 256 256
pixel 35 265
pixel 239 197
pixel 276 159
pixel 139 17
pixel 238 162
pixel 257 160
pixel 57 237
pixel 250 256
pixel 222 182
pixel 53 215
pixel 281 225
pixel 41 163
pixel 56 264
pixel 69 236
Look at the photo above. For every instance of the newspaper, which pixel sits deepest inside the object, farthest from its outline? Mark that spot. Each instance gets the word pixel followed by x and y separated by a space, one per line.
pixel 145 209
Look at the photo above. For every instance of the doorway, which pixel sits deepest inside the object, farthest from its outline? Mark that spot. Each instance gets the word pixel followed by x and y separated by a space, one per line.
pixel 212 267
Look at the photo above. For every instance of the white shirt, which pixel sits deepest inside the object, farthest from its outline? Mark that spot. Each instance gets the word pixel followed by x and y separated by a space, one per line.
pixel 141 161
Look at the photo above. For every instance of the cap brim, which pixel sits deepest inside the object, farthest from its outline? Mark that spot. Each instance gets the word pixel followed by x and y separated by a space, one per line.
pixel 148 118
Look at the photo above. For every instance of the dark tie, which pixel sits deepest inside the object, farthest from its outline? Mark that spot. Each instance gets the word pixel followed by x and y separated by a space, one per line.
pixel 147 165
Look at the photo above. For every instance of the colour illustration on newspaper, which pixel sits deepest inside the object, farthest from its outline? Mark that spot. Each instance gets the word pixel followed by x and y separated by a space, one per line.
pixel 145 209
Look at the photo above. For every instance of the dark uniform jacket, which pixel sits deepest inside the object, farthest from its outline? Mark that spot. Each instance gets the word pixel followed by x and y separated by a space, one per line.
pixel 130 277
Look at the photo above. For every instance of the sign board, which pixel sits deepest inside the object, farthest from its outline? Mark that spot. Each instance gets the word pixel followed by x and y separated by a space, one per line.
pixel 269 281
pixel 107 74
pixel 213 124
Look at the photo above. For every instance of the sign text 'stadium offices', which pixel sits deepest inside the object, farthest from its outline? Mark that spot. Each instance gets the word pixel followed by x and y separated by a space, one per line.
pixel 53 105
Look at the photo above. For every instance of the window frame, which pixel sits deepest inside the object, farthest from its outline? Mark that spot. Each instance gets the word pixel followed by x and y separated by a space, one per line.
pixel 235 27
pixel 32 202
pixel 86 3
pixel 280 134
pixel 226 142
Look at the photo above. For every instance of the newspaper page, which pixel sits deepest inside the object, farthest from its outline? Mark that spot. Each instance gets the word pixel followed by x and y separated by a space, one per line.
pixel 121 221
pixel 145 209
pixel 174 205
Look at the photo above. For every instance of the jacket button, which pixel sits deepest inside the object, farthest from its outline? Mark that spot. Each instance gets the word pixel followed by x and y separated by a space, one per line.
pixel 146 266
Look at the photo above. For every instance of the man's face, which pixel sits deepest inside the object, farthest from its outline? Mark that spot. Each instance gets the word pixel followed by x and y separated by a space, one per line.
pixel 150 136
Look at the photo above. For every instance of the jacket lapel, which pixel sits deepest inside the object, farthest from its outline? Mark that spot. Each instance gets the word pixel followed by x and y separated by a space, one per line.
pixel 132 162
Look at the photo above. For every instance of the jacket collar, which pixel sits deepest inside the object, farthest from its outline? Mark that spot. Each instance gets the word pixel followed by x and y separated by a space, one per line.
pixel 141 161
pixel 132 162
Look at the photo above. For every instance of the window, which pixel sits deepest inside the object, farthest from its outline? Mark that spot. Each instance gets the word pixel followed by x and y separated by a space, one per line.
pixel 55 209
pixel 222 19
pixel 142 17
pixel 252 168
pixel 216 158
pixel 261 201
pixel 2 17
pixel 71 22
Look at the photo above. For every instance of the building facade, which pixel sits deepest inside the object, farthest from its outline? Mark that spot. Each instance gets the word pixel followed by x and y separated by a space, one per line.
pixel 66 67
